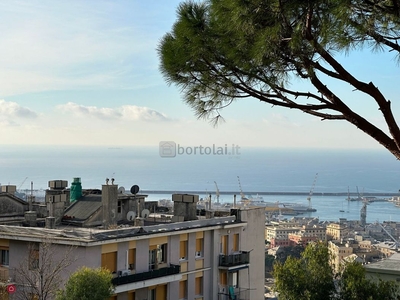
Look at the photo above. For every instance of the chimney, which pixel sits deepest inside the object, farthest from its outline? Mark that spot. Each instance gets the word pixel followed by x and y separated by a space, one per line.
pixel 109 199
pixel 50 222
pixel 185 206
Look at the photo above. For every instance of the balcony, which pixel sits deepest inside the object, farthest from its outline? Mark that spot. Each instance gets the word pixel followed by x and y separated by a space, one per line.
pixel 229 292
pixel 153 274
pixel 236 259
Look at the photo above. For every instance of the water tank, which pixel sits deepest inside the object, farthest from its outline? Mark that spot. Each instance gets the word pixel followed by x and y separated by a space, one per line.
pixel 76 189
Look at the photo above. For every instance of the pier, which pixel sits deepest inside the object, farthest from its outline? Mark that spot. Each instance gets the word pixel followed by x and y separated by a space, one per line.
pixel 344 194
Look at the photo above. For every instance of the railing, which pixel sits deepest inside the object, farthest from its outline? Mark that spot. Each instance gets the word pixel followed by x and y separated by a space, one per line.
pixel 239 258
pixel 229 293
pixel 171 270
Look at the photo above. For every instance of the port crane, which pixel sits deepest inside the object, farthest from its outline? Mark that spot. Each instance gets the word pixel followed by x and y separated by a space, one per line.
pixel 242 196
pixel 387 232
pixel 22 183
pixel 217 191
pixel 312 190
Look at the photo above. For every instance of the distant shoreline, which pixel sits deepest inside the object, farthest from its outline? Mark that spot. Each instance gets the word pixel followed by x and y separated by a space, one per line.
pixel 344 194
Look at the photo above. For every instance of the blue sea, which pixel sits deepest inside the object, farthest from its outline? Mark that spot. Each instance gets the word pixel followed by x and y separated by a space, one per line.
pixel 259 170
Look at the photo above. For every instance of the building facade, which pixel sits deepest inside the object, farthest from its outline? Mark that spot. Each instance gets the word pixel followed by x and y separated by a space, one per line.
pixel 215 258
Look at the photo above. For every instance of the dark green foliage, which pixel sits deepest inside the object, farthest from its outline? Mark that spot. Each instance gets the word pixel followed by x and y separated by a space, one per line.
pixel 220 51
pixel 88 284
pixel 312 278
pixel 353 285
pixel 309 277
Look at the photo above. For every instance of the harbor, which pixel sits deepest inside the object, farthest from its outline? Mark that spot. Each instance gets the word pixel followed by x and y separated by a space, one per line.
pixel 327 207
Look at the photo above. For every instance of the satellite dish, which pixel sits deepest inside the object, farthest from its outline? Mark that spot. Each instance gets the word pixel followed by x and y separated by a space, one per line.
pixel 145 213
pixel 131 215
pixel 135 189
pixel 121 190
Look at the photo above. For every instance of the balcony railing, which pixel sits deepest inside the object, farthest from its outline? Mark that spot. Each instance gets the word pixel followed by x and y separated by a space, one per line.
pixel 239 258
pixel 171 270
pixel 237 293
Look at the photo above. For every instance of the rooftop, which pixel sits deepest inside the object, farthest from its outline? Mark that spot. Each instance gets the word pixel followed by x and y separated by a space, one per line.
pixel 80 236
pixel 390 265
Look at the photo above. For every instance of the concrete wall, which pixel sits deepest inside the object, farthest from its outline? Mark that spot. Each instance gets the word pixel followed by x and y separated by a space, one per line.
pixel 173 253
pixel 252 239
pixel 80 256
pixel 109 196
pixel 11 207
pixel 142 256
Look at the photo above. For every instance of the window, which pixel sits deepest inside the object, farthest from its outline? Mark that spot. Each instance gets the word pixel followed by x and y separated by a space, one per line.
pixel 223 278
pixel 235 279
pixel 109 261
pixel 131 295
pixel 131 258
pixel 224 245
pixel 236 242
pixel 183 250
pixel 152 257
pixel 199 247
pixel 198 290
pixel 119 208
pixel 34 256
pixel 4 257
pixel 157 255
pixel 182 289
pixel 152 294
pixel 162 253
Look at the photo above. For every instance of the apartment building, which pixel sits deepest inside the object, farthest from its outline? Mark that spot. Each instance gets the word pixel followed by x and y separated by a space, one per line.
pixel 279 235
pixel 338 253
pixel 283 235
pixel 209 258
pixel 307 234
pixel 336 231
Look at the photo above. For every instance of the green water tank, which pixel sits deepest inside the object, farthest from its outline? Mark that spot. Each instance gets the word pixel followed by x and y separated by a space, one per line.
pixel 76 189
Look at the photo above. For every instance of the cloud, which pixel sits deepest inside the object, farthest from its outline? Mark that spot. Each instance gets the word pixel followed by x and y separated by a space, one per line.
pixel 82 111
pixel 12 110
pixel 132 112
pixel 125 112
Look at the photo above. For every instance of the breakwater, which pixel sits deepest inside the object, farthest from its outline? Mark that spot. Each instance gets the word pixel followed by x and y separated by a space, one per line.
pixel 343 194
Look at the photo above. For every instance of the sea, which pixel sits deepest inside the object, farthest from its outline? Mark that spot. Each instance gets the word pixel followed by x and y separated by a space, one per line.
pixel 287 175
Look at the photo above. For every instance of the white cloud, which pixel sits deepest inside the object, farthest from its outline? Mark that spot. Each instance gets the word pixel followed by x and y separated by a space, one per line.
pixel 126 112
pixel 132 112
pixel 10 110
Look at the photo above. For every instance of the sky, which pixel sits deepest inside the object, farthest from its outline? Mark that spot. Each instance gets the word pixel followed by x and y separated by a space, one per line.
pixel 87 73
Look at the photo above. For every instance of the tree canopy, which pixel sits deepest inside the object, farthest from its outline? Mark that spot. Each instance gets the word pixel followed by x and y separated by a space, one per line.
pixel 220 51
pixel 88 284
pixel 311 277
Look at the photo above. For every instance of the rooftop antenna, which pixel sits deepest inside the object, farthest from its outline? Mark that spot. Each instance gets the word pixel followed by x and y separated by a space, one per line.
pixel 134 190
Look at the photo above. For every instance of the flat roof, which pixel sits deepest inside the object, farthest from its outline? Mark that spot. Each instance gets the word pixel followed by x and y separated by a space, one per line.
pixel 94 236
pixel 390 265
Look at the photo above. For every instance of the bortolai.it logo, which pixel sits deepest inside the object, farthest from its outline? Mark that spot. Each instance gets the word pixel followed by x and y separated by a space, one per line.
pixel 172 149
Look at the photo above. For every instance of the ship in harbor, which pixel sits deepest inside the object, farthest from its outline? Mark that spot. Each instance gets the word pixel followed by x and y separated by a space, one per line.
pixel 300 208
